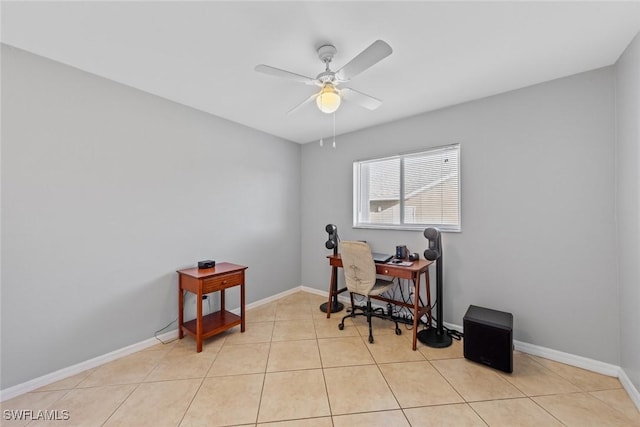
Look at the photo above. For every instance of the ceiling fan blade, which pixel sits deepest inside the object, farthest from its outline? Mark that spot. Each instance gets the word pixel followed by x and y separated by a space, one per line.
pixel 284 74
pixel 303 103
pixel 362 99
pixel 365 59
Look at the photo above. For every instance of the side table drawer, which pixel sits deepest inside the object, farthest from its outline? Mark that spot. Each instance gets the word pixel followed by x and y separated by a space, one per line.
pixel 221 282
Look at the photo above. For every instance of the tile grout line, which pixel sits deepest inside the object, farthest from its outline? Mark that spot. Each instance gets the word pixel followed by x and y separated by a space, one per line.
pixel 192 399
pixel 545 410
pixel 590 393
pixel 391 390
pixel 225 344
pixel 324 379
pixel 266 365
pixel 120 405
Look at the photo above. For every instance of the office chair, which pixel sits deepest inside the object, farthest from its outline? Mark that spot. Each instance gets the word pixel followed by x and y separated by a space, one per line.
pixel 360 276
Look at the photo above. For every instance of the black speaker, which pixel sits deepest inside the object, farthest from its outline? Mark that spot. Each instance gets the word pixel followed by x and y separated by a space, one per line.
pixel 332 243
pixel 488 337
pixel 434 244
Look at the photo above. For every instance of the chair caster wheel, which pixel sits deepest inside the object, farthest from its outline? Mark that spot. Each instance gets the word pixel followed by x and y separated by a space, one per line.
pixel 398 331
pixel 371 340
pixel 340 326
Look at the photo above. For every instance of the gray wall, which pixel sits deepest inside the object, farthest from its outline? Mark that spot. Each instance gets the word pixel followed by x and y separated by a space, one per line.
pixel 538 228
pixel 628 206
pixel 106 191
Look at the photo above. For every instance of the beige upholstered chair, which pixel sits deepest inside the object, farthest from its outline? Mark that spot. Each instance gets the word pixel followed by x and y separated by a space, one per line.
pixel 360 276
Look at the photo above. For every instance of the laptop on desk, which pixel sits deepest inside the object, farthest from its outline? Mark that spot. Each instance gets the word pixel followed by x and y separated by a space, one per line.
pixel 380 257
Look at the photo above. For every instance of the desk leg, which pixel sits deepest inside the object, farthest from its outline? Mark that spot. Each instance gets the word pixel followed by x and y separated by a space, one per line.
pixel 222 301
pixel 242 315
pixel 332 306
pixel 333 288
pixel 180 308
pixel 199 329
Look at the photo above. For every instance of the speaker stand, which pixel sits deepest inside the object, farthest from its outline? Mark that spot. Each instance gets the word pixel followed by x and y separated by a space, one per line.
pixel 430 337
pixel 436 337
pixel 335 307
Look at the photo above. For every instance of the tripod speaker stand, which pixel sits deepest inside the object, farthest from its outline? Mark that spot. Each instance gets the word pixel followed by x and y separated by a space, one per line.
pixel 437 337
pixel 332 243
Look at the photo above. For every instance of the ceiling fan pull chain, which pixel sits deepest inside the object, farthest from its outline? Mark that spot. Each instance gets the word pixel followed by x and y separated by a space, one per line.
pixel 334 129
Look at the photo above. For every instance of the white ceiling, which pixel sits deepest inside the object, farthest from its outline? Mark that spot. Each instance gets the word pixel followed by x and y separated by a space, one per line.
pixel 202 54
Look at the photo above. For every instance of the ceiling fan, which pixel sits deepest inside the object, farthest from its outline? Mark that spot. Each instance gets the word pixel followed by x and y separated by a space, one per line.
pixel 329 97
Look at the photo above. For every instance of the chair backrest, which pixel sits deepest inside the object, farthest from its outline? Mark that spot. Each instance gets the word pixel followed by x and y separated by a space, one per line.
pixel 359 268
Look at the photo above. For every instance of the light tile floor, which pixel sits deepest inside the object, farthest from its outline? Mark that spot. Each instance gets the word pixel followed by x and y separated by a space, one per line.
pixel 294 368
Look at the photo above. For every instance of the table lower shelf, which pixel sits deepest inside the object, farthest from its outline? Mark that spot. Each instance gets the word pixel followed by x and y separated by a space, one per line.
pixel 212 324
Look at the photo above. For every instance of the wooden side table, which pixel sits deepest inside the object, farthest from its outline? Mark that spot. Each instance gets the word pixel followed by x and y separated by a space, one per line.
pixel 201 281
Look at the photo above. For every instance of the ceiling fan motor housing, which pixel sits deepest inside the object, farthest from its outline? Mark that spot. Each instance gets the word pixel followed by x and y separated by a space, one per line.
pixel 326 77
pixel 326 52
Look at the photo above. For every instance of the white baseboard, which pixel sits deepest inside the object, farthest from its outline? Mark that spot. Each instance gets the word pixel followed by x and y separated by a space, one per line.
pixel 584 363
pixel 271 298
pixel 548 353
pixel 568 359
pixel 535 350
pixel 314 291
pixel 61 374
pixel 577 361
pixel 559 356
pixel 632 391
pixel 342 298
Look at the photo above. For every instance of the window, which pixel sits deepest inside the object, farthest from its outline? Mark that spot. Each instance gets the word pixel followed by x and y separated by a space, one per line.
pixel 409 191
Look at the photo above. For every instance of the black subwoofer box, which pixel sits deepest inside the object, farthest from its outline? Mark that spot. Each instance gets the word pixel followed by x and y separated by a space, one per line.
pixel 488 337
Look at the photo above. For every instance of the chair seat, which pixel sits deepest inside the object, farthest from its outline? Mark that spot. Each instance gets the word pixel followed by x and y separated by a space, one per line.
pixel 381 286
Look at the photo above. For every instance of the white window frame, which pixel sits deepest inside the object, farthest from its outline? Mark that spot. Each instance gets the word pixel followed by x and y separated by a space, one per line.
pixel 401 225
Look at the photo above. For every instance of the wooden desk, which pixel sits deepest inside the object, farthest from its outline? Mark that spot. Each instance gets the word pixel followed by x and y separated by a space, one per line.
pixel 412 272
pixel 203 281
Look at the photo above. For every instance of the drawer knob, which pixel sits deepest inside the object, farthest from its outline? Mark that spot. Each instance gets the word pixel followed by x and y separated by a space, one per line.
pixel 224 282
pixel 386 271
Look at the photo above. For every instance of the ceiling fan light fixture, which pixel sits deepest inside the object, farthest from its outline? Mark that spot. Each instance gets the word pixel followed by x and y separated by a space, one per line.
pixel 328 100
